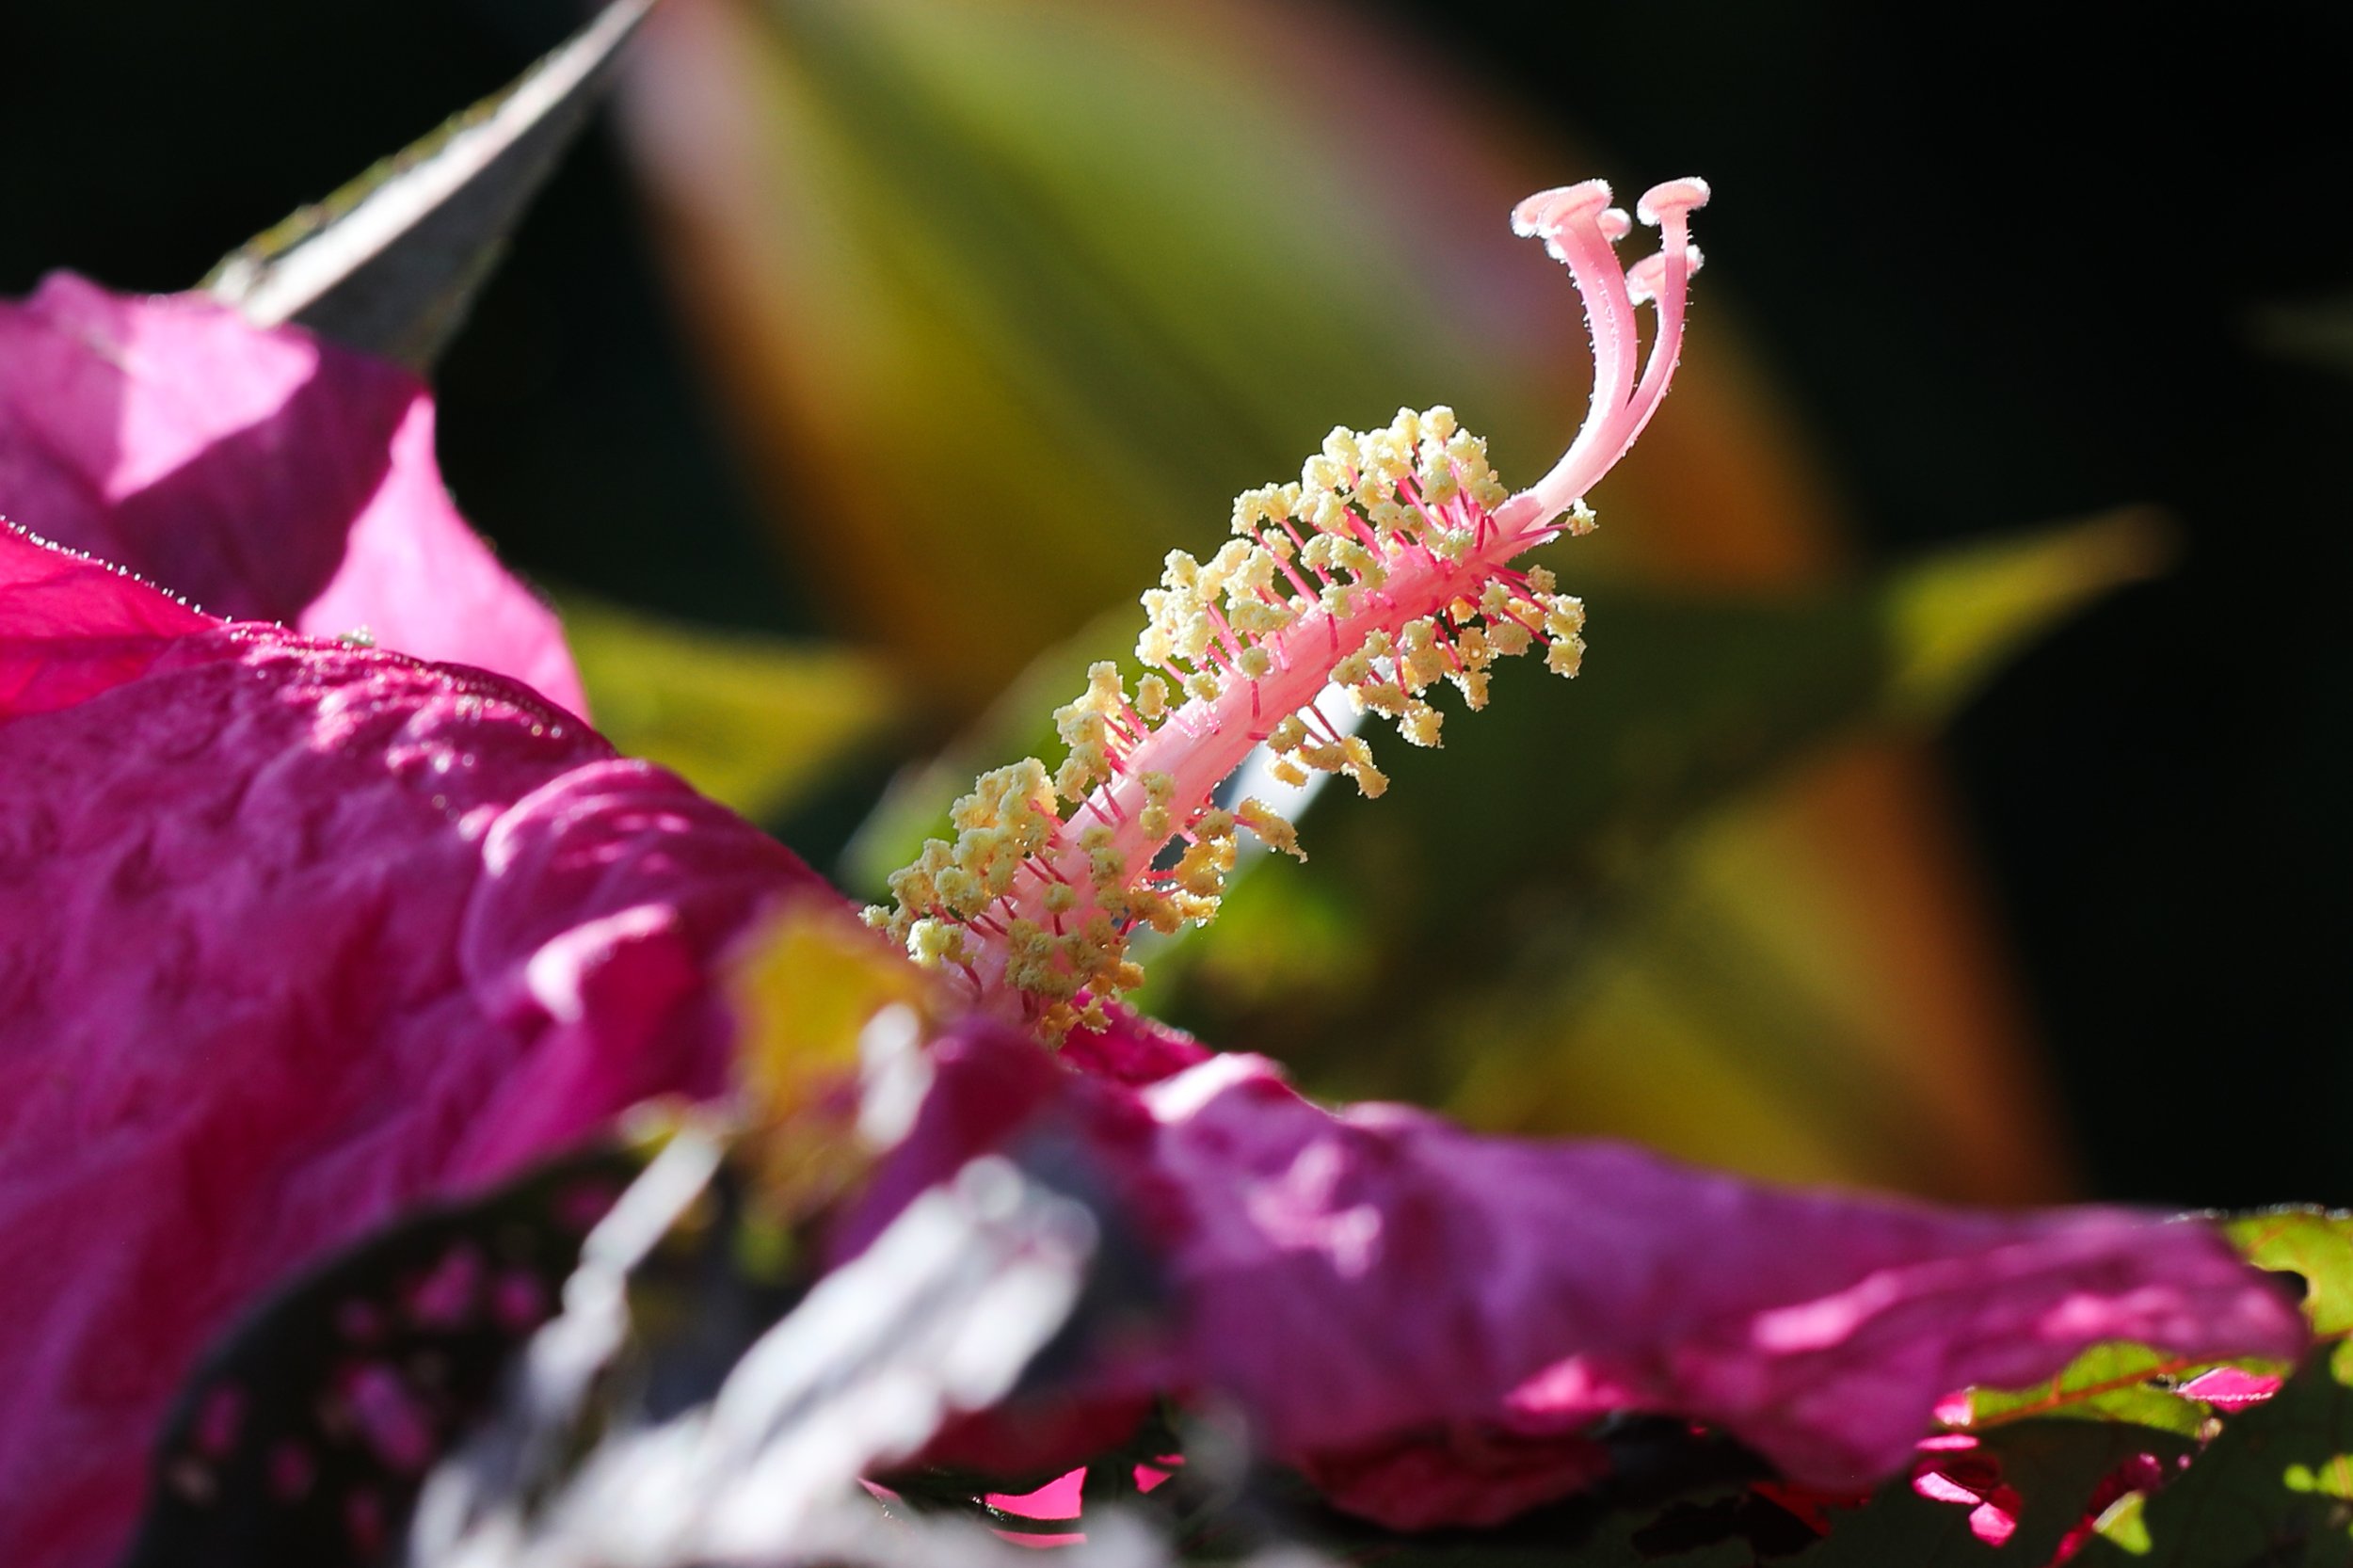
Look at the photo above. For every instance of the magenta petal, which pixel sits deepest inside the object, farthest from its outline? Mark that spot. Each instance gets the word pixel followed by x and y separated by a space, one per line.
pixel 72 628
pixel 1376 1271
pixel 293 935
pixel 262 474
pixel 1410 1312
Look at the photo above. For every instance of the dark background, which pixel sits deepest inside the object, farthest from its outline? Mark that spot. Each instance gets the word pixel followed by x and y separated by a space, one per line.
pixel 2010 265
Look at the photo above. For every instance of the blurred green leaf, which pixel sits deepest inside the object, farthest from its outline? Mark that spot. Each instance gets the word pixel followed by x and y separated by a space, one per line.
pixel 1954 625
pixel 390 262
pixel 2310 1242
pixel 747 720
pixel 2126 1384
pixel 1018 724
pixel 2274 1490
pixel 2317 333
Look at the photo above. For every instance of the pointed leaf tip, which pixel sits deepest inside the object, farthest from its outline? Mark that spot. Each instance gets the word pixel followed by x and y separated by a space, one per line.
pixel 390 263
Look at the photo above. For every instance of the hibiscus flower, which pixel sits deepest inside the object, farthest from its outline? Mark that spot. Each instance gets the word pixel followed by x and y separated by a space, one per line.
pixel 299 929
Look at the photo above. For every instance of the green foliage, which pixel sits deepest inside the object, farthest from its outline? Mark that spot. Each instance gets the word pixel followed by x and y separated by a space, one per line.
pixel 2274 1490
pixel 2313 1245
pixel 753 722
pixel 2127 1384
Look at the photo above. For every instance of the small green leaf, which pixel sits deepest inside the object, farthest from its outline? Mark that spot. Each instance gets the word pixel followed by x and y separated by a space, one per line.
pixel 390 263
pixel 750 721
pixel 2312 1243
pixel 2274 1490
pixel 2108 1383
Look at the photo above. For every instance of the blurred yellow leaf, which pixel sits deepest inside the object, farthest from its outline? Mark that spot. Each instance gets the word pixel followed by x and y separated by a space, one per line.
pixel 1954 622
pixel 822 1006
pixel 750 721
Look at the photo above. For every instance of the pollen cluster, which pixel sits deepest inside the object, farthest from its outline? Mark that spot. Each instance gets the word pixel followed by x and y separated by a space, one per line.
pixel 1384 572
pixel 1374 572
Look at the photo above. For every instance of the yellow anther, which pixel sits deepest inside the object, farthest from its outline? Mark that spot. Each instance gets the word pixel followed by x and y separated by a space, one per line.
pixel 1288 735
pixel 1419 723
pixel 1214 823
pixel 1079 724
pixel 1154 821
pixel 1340 446
pixel 1155 909
pixel 960 892
pixel 1287 772
pixel 1202 686
pixel 1060 898
pixel 935 943
pixel 1509 637
pixel 1152 695
pixel 1257 617
pixel 1194 634
pixel 1565 657
pixel 1370 781
pixel 1438 422
pixel 1252 577
pixel 1324 757
pixel 1231 559
pixel 1180 572
pixel 1201 871
pixel 1254 507
pixel 1272 828
pixel 1381 697
pixel 1080 772
pixel 1253 663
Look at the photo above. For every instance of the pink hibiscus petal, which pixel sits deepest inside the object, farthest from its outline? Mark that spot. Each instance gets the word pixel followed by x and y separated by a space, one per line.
pixel 297 934
pixel 1388 1296
pixel 2232 1389
pixel 263 473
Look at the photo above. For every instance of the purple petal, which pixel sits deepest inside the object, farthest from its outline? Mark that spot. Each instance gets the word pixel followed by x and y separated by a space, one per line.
pixel 295 935
pixel 1412 1313
pixel 266 474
